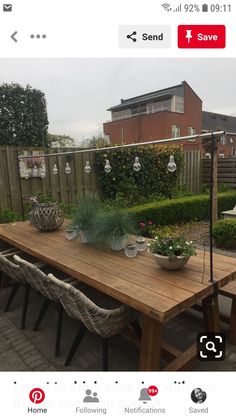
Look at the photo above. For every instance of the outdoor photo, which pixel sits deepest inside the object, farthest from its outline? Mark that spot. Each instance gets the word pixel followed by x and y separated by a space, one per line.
pixel 118 215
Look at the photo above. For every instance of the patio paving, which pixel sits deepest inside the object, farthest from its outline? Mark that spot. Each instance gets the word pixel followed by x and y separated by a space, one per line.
pixel 33 351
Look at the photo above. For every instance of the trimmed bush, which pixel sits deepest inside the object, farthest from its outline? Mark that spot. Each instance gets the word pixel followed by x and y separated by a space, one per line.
pixel 153 178
pixel 224 233
pixel 181 210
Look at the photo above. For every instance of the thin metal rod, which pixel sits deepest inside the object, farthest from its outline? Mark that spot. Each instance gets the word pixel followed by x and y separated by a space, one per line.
pixel 117 147
pixel 211 206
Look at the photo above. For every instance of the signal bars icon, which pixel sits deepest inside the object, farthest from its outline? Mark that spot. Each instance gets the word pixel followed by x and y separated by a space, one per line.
pixel 178 9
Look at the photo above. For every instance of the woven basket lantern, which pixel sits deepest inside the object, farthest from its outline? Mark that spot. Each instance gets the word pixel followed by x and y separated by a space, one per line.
pixel 46 216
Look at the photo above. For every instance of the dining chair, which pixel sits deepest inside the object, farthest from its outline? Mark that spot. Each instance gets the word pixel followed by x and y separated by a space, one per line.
pixel 13 271
pixel 97 312
pixel 38 280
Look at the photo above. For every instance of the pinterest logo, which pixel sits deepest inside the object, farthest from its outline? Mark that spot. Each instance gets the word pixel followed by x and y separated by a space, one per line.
pixel 37 395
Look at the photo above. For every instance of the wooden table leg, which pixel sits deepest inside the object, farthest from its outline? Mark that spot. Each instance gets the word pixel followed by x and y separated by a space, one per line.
pixel 211 314
pixel 232 325
pixel 150 352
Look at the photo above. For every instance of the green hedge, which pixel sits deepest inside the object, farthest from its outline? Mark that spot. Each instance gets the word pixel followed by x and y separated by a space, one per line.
pixel 181 210
pixel 224 233
pixel 153 178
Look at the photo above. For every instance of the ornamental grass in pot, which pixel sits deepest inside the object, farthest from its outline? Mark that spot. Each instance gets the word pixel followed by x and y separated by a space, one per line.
pixel 84 218
pixel 172 253
pixel 113 227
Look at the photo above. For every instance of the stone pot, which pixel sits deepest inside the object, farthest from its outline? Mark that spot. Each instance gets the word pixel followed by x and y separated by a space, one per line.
pixel 171 264
pixel 118 243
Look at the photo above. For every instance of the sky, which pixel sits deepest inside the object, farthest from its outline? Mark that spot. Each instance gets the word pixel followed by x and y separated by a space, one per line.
pixel 80 90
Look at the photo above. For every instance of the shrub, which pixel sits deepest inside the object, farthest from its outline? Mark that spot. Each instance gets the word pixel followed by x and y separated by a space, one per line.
pixel 8 216
pixel 153 178
pixel 224 233
pixel 181 210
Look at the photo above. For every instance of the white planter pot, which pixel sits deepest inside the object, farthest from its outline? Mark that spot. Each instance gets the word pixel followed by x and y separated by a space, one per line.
pixel 85 237
pixel 118 244
pixel 171 264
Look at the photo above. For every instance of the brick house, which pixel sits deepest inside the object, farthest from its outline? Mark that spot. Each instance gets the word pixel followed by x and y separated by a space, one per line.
pixel 168 113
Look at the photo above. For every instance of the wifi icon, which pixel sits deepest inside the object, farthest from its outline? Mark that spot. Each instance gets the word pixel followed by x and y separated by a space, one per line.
pixel 166 6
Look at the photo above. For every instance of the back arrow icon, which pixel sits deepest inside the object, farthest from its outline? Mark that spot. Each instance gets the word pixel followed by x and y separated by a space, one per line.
pixel 13 36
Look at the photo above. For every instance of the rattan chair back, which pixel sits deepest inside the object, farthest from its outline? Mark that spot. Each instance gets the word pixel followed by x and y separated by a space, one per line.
pixel 11 269
pixel 105 322
pixel 37 279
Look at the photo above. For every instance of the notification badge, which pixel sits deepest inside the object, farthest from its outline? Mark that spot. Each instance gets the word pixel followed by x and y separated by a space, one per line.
pixel 37 395
pixel 201 36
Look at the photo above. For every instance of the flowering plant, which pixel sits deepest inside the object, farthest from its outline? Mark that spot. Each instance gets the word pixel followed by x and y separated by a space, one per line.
pixel 146 228
pixel 34 161
pixel 172 246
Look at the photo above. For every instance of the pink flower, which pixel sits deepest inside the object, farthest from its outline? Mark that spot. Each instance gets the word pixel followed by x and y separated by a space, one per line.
pixel 142 225
pixel 150 223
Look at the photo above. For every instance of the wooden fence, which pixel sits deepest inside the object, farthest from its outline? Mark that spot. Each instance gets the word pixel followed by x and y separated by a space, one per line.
pixel 226 171
pixel 65 188
pixel 191 176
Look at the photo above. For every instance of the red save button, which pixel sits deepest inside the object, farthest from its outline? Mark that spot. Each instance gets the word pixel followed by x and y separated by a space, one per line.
pixel 201 36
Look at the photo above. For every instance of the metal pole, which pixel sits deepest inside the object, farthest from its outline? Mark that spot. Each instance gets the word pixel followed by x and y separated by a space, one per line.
pixel 20 187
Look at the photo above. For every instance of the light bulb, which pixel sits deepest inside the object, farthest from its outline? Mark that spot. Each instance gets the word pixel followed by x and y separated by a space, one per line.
pixel 171 166
pixel 55 169
pixel 35 171
pixel 27 174
pixel 67 169
pixel 42 174
pixel 136 165
pixel 87 168
pixel 107 167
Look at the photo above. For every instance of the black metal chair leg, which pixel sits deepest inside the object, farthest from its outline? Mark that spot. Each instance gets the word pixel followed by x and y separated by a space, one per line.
pixel 42 313
pixel 25 306
pixel 59 326
pixel 12 295
pixel 75 344
pixel 104 354
pixel 137 328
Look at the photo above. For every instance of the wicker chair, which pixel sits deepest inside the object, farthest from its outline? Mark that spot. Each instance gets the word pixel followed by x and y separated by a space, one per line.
pixel 97 312
pixel 39 281
pixel 13 271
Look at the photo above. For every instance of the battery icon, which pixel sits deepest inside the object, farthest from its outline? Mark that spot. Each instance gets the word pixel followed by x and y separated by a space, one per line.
pixel 205 7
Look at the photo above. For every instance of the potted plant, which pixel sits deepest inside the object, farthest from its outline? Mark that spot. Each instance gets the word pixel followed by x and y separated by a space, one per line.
pixel 84 218
pixel 113 227
pixel 172 252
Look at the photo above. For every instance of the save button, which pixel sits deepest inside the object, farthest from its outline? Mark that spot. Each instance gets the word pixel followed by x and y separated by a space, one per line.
pixel 201 36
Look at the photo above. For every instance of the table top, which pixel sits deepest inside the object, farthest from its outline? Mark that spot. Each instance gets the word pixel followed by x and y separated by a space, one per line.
pixel 138 282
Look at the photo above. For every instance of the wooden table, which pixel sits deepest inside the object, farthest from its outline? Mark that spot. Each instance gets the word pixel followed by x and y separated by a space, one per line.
pixel 158 294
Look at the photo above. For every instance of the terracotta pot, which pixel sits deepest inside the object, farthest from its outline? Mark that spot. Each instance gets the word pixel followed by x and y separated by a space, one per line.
pixel 171 264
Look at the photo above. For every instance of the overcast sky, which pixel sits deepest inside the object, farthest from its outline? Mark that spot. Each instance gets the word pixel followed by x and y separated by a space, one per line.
pixel 78 91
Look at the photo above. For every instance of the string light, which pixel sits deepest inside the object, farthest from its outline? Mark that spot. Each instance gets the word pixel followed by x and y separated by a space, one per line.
pixel 87 168
pixel 55 169
pixel 136 165
pixel 67 169
pixel 171 166
pixel 107 167
pixel 42 173
pixel 35 171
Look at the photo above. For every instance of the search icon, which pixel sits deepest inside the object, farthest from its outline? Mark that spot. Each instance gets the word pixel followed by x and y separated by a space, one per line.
pixel 210 346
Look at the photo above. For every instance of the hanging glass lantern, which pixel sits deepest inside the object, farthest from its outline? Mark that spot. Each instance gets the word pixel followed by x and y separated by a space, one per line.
pixel 55 169
pixel 136 165
pixel 87 168
pixel 35 171
pixel 67 169
pixel 107 167
pixel 171 166
pixel 27 175
pixel 42 173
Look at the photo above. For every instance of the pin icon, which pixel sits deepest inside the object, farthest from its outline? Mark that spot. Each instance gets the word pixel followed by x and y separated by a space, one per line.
pixel 37 395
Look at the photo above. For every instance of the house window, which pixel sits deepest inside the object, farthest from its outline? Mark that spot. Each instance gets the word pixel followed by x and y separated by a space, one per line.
pixel 175 131
pixel 223 140
pixel 191 131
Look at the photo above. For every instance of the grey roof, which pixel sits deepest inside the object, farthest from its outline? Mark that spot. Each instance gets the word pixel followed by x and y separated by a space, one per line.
pixel 212 121
pixel 149 97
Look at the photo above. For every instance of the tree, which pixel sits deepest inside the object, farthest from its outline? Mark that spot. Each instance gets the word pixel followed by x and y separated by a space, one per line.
pixel 60 141
pixel 23 116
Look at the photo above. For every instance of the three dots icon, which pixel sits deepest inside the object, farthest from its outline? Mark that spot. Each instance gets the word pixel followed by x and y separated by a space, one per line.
pixel 38 36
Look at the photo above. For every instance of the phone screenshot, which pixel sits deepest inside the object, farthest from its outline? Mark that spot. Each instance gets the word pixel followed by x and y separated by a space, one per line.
pixel 117 209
